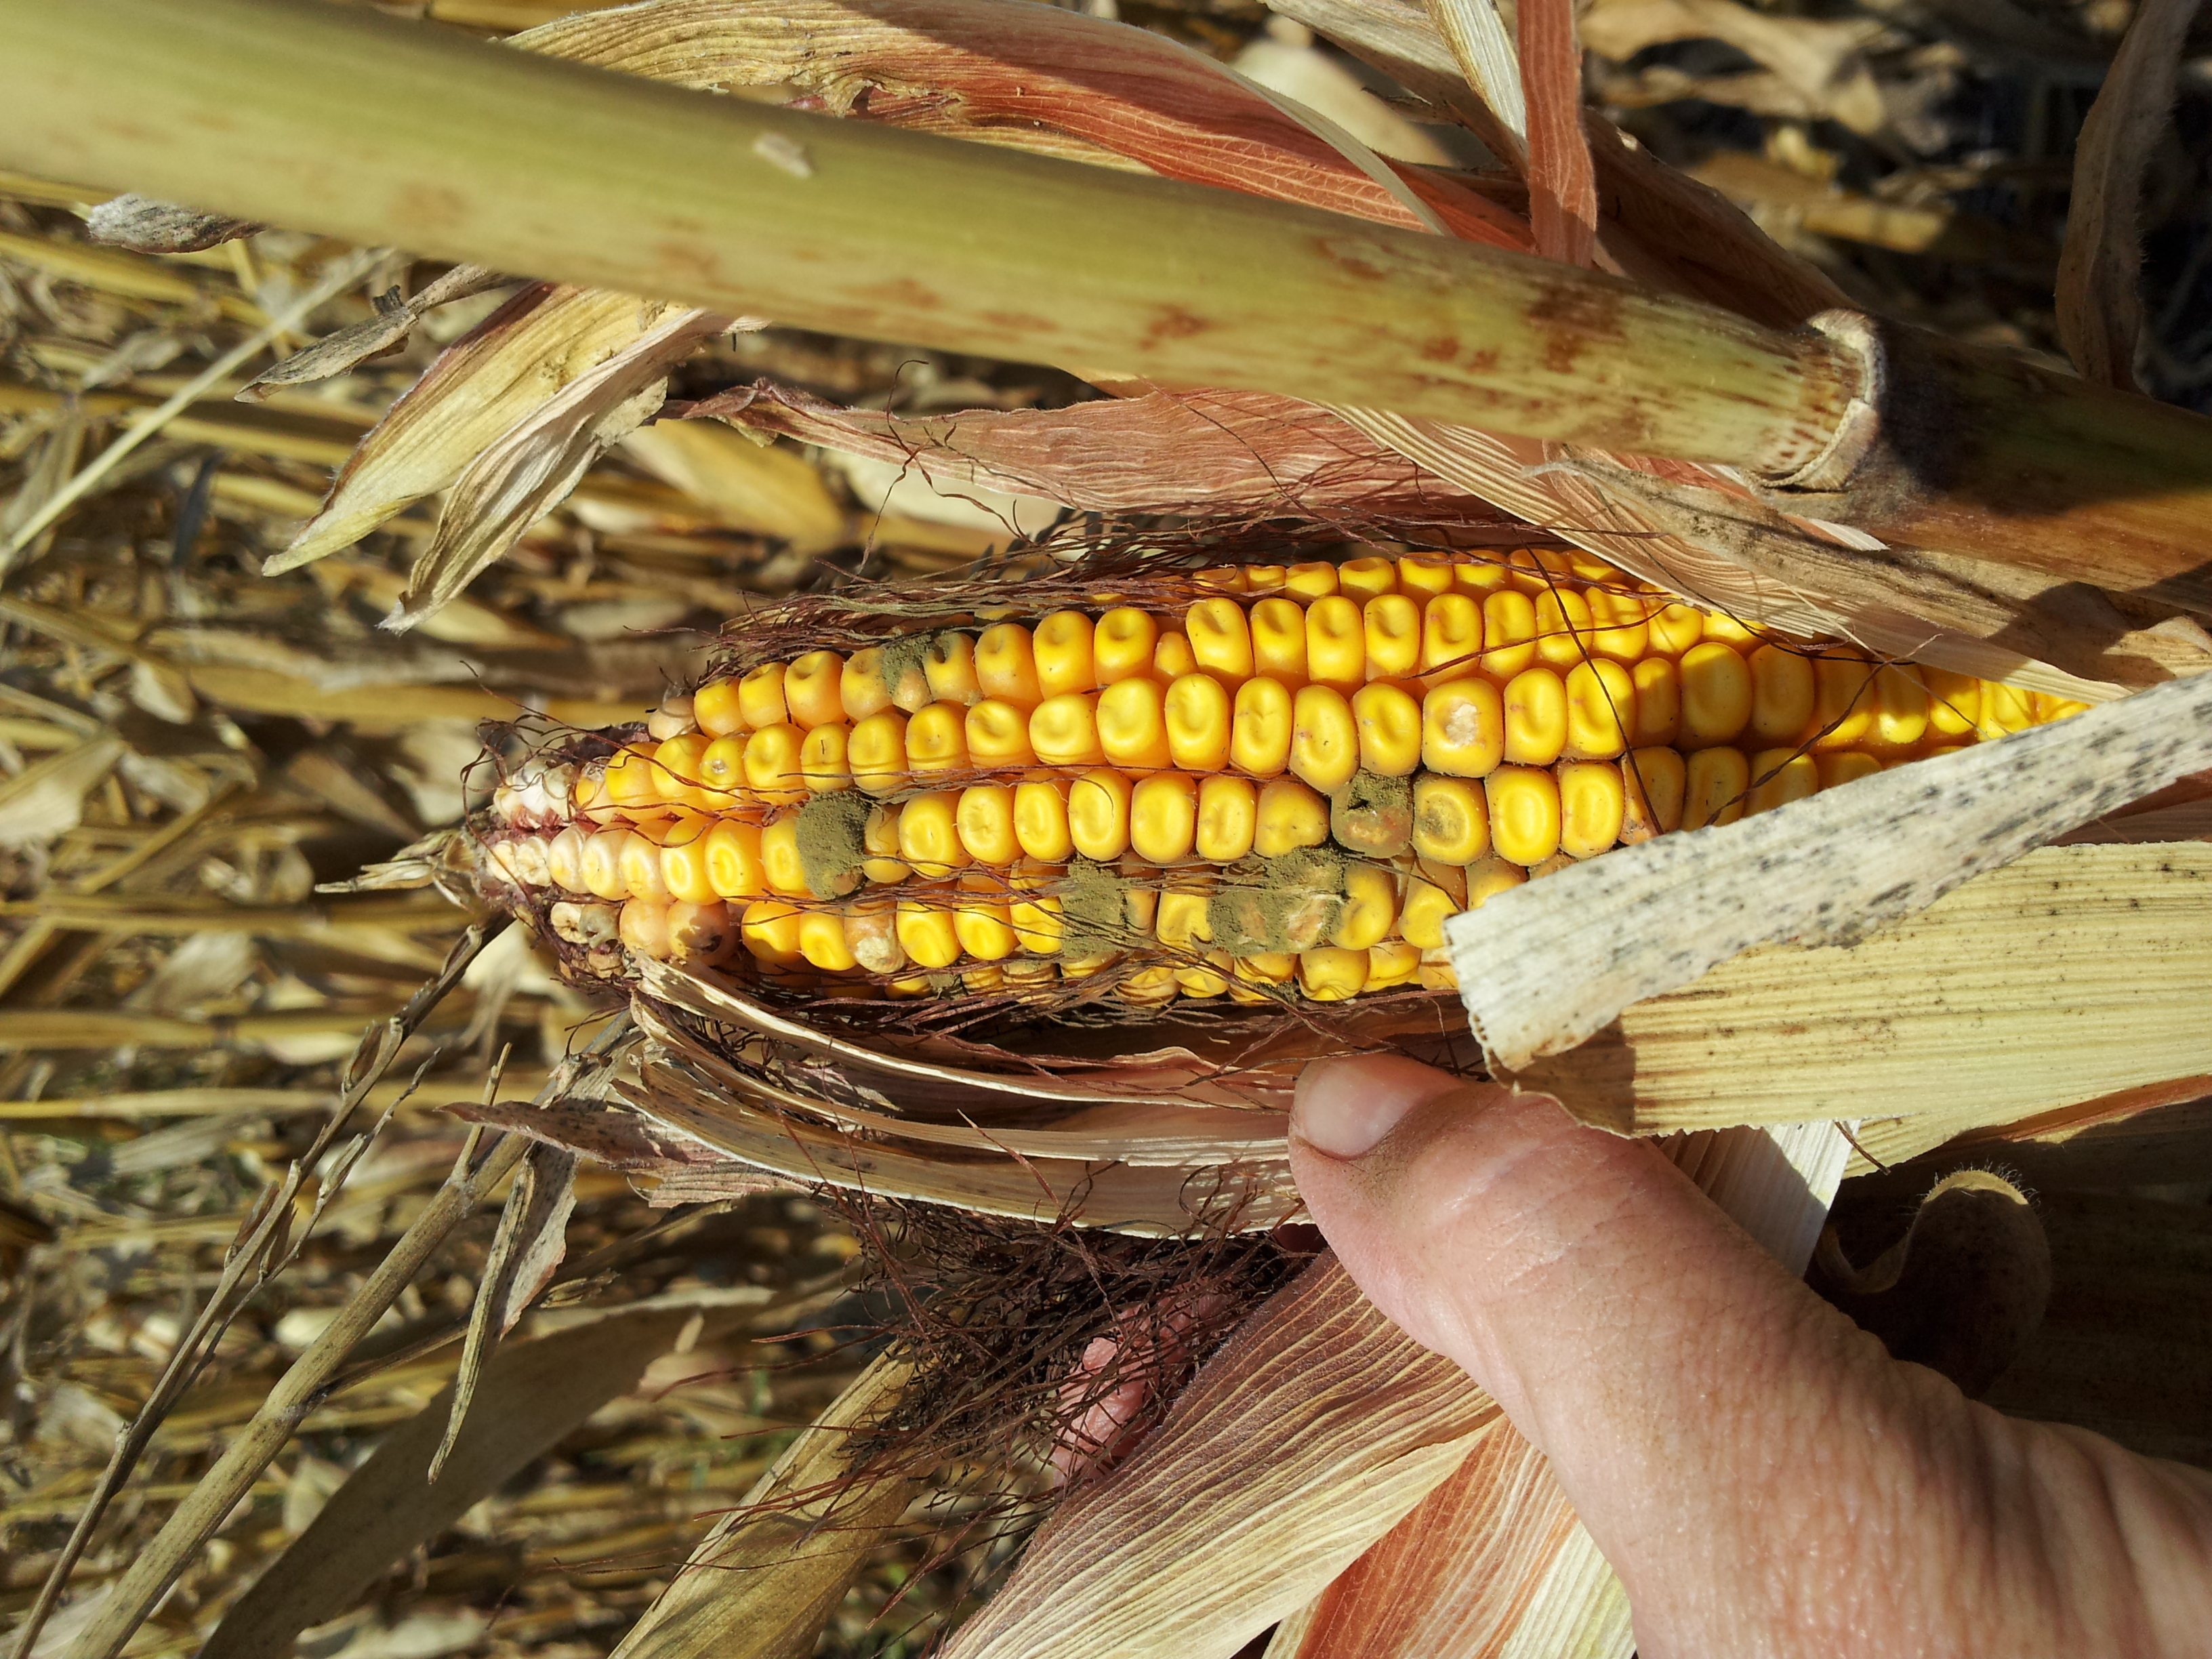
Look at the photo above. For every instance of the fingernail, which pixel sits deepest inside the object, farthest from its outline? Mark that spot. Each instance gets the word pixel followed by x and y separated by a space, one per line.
pixel 1344 1108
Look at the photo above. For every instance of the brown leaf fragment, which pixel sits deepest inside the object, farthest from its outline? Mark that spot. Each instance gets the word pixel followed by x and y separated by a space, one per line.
pixel 2100 314
pixel 147 225
pixel 373 336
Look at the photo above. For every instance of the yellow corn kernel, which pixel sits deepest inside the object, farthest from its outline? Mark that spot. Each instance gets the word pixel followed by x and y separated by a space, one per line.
pixel 929 835
pixel 1264 578
pixel 1719 625
pixel 1658 687
pixel 732 853
pixel 1563 627
pixel 1315 579
pixel 1463 728
pixel 1621 625
pixel 773 769
pixel 1061 650
pixel 1391 624
pixel 2005 709
pixel 564 858
pixel 1041 819
pixel 1479 576
pixel 877 752
pixel 1038 924
pixel 722 767
pixel 1551 866
pixel 1451 820
pixel 1489 877
pixel 813 688
pixel 1198 982
pixel 1324 737
pixel 1220 640
pixel 701 931
pixel 1172 656
pixel 1006 664
pixel 1224 578
pixel 1260 735
pixel 927 934
pixel 768 929
pixel 1783 694
pixel 996 734
pixel 1148 987
pixel 985 820
pixel 1533 570
pixel 1428 907
pixel 1900 707
pixel 1265 968
pixel 1436 972
pixel 1535 718
pixel 679 760
pixel 603 862
pixel 1779 776
pixel 1228 818
pixel 1332 974
pixel 1654 781
pixel 680 825
pixel 1336 644
pixel 1524 813
pixel 1600 709
pixel 760 697
pixel 1424 575
pixel 1362 579
pixel 1508 633
pixel 1278 642
pixel 822 759
pixel 982 924
pixel 1122 645
pixel 1064 729
pixel 1164 818
pixel 823 942
pixel 1371 907
pixel 936 739
pixel 684 869
pixel 1593 807
pixel 872 934
pixel 1713 789
pixel 1199 723
pixel 1289 816
pixel 948 669
pixel 1954 702
pixel 630 780
pixel 1716 695
pixel 1392 963
pixel 1132 725
pixel 1389 725
pixel 1183 919
pixel 1847 766
pixel 716 706
pixel 880 840
pixel 1098 813
pixel 1141 898
pixel 779 861
pixel 1675 628
pixel 862 688
pixel 1844 710
pixel 639 866
pixel 1451 636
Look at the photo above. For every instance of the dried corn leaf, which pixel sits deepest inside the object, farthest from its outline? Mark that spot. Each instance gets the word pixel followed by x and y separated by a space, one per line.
pixel 1037 78
pixel 1313 1432
pixel 529 469
pixel 46 798
pixel 1562 183
pixel 531 1395
pixel 742 485
pixel 1821 61
pixel 394 321
pixel 764 1582
pixel 146 226
pixel 1882 848
pixel 2100 314
pixel 1486 56
pixel 496 377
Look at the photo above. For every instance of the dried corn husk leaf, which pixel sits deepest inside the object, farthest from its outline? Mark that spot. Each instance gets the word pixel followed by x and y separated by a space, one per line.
pixel 395 319
pixel 1038 78
pixel 1232 454
pixel 529 469
pixel 495 378
pixel 1562 183
pixel 742 484
pixel 1314 1429
pixel 765 1581
pixel 1820 61
pixel 1486 56
pixel 146 226
pixel 1882 848
pixel 46 798
pixel 2100 314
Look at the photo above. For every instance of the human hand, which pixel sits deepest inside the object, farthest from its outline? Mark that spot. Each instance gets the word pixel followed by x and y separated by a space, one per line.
pixel 1762 1475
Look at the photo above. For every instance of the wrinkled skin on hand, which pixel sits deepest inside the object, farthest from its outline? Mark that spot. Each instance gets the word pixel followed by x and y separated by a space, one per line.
pixel 1763 1476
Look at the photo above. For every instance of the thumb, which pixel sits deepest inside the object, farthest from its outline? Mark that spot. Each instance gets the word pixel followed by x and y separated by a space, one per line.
pixel 1679 1379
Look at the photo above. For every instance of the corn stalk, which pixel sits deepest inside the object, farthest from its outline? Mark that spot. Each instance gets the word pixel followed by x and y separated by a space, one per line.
pixel 391 133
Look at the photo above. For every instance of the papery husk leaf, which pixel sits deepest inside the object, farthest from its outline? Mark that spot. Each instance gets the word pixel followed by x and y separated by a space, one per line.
pixel 529 469
pixel 146 226
pixel 2100 293
pixel 531 1394
pixel 1045 79
pixel 761 489
pixel 2142 1136
pixel 765 1581
pixel 46 798
pixel 1825 869
pixel 1562 183
pixel 395 319
pixel 492 379
pixel 1486 56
